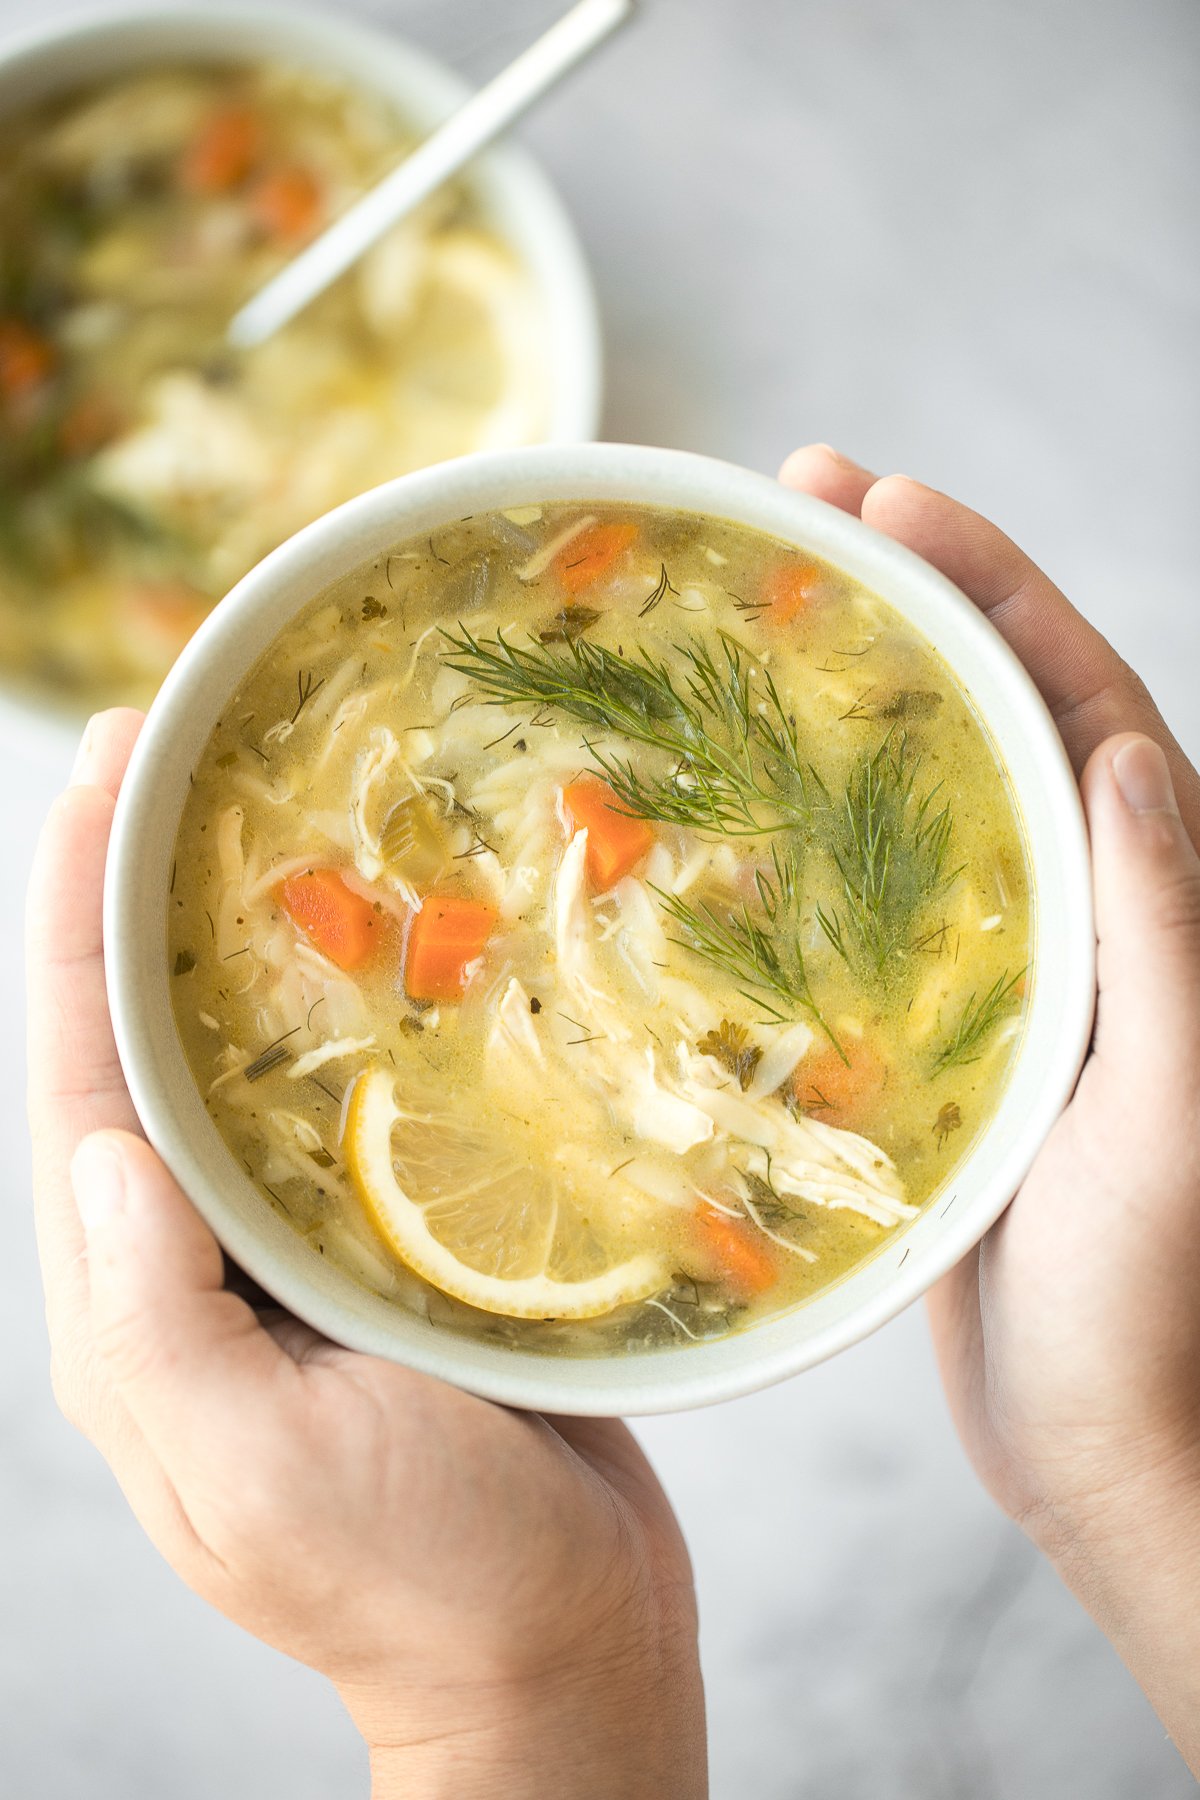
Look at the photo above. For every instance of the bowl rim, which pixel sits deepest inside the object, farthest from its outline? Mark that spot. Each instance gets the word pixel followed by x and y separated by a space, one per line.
pixel 1058 1026
pixel 362 52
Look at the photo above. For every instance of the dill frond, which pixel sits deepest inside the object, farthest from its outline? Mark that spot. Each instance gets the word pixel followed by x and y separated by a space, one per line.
pixel 734 766
pixel 662 588
pixel 758 947
pixel 891 847
pixel 977 1021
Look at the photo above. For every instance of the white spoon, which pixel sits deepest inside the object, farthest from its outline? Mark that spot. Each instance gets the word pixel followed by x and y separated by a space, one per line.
pixel 480 119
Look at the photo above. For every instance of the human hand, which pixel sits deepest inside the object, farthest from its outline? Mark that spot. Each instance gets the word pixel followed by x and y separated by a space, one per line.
pixel 1069 1342
pixel 503 1600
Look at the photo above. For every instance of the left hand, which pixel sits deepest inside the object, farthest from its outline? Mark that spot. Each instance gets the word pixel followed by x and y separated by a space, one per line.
pixel 504 1600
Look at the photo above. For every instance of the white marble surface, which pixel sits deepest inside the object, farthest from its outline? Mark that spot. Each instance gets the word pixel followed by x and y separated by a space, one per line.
pixel 957 239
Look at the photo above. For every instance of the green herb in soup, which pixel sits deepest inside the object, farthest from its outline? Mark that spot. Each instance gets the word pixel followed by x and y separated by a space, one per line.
pixel 144 466
pixel 599 928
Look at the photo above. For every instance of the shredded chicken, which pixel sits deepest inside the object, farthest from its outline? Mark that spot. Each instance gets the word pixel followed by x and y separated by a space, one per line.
pixel 657 1114
pixel 575 938
pixel 783 1051
pixel 329 1051
pixel 198 446
pixel 802 1157
pixel 513 1026
pixel 381 756
pixel 537 565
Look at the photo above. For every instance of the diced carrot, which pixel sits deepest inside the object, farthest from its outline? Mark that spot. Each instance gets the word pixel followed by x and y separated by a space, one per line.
pixel 163 614
pixel 446 936
pixel 26 359
pixel 841 1093
pixel 739 1254
pixel 788 590
pixel 223 151
pixel 592 554
pixel 342 924
pixel 87 425
pixel 616 840
pixel 287 202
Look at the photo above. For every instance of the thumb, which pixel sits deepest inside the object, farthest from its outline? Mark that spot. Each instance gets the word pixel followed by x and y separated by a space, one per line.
pixel 1147 887
pixel 187 1357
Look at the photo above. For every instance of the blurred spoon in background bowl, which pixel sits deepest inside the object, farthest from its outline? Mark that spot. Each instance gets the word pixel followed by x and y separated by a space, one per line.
pixel 469 130
pixel 69 642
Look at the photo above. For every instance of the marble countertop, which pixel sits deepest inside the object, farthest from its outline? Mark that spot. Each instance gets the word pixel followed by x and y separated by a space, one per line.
pixel 955 240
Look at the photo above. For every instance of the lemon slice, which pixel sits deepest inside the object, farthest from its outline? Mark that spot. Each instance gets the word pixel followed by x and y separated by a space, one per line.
pixel 477 1220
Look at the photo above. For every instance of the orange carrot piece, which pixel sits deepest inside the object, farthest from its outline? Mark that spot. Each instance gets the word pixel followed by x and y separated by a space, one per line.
pixel 447 935
pixel 26 359
pixel 287 202
pixel 223 151
pixel 343 925
pixel 738 1252
pixel 164 614
pixel 838 1093
pixel 616 840
pixel 87 425
pixel 788 590
pixel 592 554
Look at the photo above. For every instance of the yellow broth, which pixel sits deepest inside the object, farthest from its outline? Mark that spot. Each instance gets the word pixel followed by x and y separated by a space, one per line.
pixel 812 935
pixel 144 467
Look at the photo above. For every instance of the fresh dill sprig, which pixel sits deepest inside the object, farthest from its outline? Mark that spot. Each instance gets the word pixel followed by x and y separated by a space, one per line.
pixel 978 1020
pixel 662 588
pixel 890 845
pixel 734 763
pixel 757 947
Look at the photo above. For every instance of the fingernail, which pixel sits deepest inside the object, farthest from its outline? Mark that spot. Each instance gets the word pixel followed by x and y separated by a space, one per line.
pixel 81 768
pixel 1143 778
pixel 98 1177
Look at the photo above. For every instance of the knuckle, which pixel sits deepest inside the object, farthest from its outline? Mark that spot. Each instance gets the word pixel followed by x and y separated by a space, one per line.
pixel 1137 690
pixel 127 1351
pixel 1129 705
pixel 1175 908
pixel 1114 699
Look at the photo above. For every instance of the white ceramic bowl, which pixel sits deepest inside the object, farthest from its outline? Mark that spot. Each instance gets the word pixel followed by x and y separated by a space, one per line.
pixel 1053 1044
pixel 512 192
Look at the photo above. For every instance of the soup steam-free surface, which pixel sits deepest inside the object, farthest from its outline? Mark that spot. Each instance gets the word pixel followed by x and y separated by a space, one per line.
pixel 599 927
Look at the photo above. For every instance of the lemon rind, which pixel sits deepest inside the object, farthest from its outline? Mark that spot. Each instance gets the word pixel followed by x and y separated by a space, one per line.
pixel 371 1114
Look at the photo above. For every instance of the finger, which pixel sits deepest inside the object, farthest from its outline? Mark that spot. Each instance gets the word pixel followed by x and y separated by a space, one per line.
pixel 823 472
pixel 1146 876
pixel 956 1327
pixel 75 1080
pixel 1090 690
pixel 187 1358
pixel 105 748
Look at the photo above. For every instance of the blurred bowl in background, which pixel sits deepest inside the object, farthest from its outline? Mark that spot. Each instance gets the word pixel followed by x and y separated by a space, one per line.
pixel 180 155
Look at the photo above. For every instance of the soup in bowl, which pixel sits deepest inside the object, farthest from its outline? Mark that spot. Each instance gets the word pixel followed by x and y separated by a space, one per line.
pixel 157 171
pixel 598 927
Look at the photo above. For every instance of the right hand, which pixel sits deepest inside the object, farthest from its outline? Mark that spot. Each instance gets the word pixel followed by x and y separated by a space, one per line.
pixel 1069 1341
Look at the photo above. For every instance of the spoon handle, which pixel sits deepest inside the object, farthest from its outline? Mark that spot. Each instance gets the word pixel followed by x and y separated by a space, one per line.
pixel 480 119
